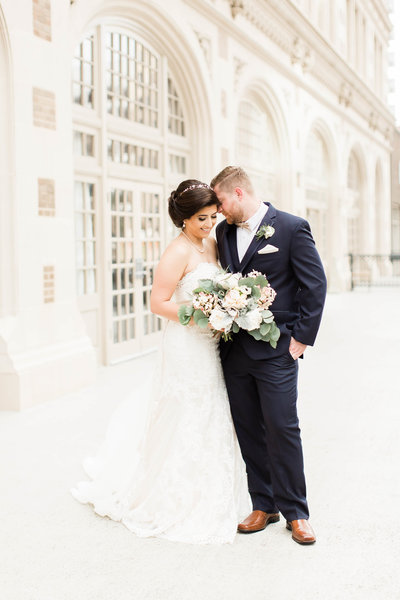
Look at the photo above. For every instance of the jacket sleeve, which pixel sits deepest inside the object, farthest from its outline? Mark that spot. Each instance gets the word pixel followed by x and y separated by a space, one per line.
pixel 310 297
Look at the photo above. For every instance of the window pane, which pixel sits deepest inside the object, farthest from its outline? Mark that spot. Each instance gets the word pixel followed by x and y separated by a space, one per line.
pixel 85 236
pixel 83 73
pixel 128 62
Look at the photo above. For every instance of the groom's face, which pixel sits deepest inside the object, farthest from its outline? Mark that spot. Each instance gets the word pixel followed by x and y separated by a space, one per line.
pixel 231 206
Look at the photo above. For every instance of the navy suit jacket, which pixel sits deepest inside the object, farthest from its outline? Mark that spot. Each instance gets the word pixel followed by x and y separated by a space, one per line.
pixel 295 272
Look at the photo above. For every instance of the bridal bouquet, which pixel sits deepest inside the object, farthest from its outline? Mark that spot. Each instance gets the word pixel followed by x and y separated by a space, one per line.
pixel 230 302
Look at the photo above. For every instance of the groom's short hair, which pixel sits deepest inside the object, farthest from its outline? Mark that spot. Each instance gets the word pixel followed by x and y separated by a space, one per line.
pixel 232 177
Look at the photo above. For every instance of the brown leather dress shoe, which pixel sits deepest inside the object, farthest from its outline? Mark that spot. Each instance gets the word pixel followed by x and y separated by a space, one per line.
pixel 302 532
pixel 257 521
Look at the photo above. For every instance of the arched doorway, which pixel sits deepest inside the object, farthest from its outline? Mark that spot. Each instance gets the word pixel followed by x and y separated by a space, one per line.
pixel 317 180
pixel 132 144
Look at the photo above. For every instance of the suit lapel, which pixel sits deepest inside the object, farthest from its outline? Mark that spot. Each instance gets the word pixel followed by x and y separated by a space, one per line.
pixel 232 241
pixel 229 247
pixel 255 244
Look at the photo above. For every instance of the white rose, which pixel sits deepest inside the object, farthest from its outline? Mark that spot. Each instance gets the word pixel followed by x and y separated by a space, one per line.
pixel 220 320
pixel 235 298
pixel 249 321
pixel 228 280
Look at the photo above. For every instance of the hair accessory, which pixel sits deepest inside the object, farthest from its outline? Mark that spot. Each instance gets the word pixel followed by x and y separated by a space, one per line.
pixel 194 187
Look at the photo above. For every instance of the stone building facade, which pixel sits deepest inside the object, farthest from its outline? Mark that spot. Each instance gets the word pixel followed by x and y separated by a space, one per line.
pixel 107 104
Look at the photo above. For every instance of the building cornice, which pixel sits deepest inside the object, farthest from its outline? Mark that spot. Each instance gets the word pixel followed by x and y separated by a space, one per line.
pixel 378 5
pixel 284 24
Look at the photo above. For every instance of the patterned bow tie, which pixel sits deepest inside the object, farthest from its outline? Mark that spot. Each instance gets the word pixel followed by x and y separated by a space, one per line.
pixel 243 225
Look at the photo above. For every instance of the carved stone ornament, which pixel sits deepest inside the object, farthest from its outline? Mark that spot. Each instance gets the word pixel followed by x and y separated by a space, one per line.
pixel 238 68
pixel 389 134
pixel 373 120
pixel 205 45
pixel 236 7
pixel 345 94
pixel 301 54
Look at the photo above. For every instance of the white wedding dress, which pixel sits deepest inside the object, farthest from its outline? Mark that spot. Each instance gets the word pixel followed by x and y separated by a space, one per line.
pixel 185 481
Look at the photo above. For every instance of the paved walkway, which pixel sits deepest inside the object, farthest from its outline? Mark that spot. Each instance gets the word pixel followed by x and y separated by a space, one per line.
pixel 52 548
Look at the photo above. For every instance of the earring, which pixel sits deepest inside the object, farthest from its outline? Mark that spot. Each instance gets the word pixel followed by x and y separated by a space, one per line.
pixel 184 225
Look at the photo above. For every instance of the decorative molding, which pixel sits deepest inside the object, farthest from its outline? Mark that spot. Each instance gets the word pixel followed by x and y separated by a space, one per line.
pixel 281 21
pixel 205 45
pixel 238 69
pixel 236 7
pixel 389 134
pixel 302 54
pixel 265 20
pixel 373 120
pixel 345 94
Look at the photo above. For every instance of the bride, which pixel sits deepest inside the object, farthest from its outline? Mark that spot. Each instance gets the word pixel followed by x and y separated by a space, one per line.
pixel 186 480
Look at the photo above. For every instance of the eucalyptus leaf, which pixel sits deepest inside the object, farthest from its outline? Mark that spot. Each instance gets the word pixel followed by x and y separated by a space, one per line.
pixel 256 334
pixel 267 313
pixel 185 313
pixel 235 327
pixel 203 323
pixel 260 280
pixel 248 281
pixel 264 328
pixel 198 315
pixel 275 333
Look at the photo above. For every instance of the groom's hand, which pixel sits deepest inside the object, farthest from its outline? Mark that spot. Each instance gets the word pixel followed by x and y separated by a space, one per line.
pixel 296 348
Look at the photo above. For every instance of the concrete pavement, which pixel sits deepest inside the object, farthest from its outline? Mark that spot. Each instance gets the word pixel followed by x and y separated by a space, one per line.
pixel 52 548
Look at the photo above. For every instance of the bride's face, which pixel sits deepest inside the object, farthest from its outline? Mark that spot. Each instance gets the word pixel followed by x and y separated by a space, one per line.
pixel 200 224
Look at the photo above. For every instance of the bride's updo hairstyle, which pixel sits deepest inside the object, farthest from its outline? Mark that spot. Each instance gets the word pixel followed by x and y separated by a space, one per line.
pixel 189 197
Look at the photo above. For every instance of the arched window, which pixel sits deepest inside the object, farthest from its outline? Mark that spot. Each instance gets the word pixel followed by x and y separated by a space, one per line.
pixel 131 146
pixel 317 189
pixel 353 202
pixel 256 148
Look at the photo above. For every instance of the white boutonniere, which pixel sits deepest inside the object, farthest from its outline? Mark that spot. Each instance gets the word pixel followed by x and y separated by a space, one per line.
pixel 265 231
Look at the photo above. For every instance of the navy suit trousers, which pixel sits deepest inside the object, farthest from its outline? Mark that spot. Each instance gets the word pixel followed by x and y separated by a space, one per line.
pixel 263 396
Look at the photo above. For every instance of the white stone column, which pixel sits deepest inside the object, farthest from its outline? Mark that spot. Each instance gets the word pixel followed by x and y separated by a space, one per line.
pixel 44 349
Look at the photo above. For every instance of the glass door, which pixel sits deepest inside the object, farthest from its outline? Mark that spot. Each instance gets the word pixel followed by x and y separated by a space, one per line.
pixel 136 221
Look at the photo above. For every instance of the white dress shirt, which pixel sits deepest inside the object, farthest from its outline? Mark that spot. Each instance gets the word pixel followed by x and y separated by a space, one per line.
pixel 244 235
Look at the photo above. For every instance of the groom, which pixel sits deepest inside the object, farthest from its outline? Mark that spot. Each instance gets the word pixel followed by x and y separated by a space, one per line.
pixel 261 380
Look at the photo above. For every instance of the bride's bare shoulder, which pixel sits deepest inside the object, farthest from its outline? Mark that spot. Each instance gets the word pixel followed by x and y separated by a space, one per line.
pixel 174 260
pixel 177 247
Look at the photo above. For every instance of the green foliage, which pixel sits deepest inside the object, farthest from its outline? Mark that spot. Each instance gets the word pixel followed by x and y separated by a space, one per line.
pixel 185 313
pixel 267 332
pixel 200 318
pixel 205 285
pixel 260 280
pixel 265 328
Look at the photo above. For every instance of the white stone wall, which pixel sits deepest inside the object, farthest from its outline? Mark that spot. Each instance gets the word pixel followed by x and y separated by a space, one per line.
pixel 292 57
